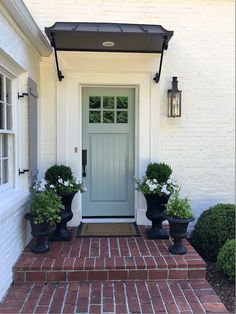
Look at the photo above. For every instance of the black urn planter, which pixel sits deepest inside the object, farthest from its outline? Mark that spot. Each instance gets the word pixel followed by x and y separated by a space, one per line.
pixel 178 231
pixel 61 232
pixel 40 232
pixel 156 205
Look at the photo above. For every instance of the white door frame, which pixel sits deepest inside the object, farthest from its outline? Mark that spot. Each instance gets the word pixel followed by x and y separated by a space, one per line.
pixel 69 123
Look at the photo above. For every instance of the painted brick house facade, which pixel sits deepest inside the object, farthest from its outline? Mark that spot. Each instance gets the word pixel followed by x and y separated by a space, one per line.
pixel 199 146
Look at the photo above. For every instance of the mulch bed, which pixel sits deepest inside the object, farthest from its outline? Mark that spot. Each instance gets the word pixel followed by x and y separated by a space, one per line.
pixel 222 286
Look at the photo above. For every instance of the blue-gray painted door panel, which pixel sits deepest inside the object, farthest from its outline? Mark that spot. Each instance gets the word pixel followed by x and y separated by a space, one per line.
pixel 108 137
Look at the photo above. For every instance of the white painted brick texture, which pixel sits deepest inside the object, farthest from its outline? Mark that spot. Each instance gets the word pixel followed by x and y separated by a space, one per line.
pixel 200 145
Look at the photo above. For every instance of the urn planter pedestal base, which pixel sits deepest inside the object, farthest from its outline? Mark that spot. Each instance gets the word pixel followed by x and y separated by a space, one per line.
pixel 40 232
pixel 157 232
pixel 61 232
pixel 156 205
pixel 178 231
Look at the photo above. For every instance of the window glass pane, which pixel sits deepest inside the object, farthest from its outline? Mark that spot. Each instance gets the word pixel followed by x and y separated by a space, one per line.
pixel 94 116
pixel 4 145
pixel 122 117
pixel 2 116
pixel 5 172
pixel 108 102
pixel 8 91
pixel 108 116
pixel 122 102
pixel 9 117
pixel 94 102
pixel 1 87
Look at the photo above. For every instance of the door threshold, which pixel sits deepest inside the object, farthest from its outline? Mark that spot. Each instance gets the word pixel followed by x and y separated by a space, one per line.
pixel 104 220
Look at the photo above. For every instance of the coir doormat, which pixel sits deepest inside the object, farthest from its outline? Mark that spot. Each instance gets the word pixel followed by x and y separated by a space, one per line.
pixel 87 230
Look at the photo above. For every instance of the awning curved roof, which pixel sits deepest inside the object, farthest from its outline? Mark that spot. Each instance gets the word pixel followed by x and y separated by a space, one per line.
pixel 110 37
pixel 142 38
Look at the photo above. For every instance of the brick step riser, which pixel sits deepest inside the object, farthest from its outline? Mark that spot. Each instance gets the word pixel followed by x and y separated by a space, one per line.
pixel 93 275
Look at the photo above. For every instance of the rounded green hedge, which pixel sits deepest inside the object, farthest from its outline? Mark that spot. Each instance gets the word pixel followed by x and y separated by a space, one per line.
pixel 226 259
pixel 214 227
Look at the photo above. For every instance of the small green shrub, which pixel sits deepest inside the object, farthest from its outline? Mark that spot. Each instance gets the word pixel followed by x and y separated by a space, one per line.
pixel 159 171
pixel 226 259
pixel 214 227
pixel 45 207
pixel 58 171
pixel 179 207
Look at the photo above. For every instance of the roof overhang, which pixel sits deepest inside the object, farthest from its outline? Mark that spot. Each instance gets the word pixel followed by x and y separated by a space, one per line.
pixel 108 37
pixel 22 17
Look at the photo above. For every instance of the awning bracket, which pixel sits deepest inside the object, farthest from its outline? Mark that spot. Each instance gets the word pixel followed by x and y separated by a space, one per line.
pixel 164 47
pixel 53 43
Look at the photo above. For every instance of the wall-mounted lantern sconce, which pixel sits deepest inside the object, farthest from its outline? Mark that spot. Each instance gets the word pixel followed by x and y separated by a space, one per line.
pixel 174 100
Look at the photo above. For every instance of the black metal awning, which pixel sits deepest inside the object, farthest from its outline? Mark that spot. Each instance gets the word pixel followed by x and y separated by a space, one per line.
pixel 108 37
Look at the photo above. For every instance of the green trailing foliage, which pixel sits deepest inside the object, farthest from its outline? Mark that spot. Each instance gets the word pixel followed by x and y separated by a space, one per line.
pixel 159 171
pixel 179 207
pixel 226 259
pixel 58 171
pixel 214 227
pixel 45 207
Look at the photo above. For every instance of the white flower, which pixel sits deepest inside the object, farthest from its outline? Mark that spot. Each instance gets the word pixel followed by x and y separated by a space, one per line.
pixel 155 180
pixel 164 189
pixel 169 181
pixel 60 180
pixel 154 186
pixel 66 183
pixel 85 189
pixel 148 182
pixel 51 186
pixel 71 184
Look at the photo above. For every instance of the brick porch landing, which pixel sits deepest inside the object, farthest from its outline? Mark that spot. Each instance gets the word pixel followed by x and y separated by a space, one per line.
pixel 109 259
pixel 111 275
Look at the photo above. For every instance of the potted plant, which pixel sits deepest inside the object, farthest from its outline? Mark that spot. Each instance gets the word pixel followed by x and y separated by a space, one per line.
pixel 179 214
pixel 44 209
pixel 156 186
pixel 61 180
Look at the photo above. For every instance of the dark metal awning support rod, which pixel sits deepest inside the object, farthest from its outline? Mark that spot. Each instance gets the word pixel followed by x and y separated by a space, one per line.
pixel 53 43
pixel 158 74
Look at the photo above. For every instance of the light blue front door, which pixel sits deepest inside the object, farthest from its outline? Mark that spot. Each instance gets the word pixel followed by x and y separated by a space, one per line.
pixel 108 142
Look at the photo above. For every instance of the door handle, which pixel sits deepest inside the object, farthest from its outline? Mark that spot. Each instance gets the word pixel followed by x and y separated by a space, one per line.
pixel 84 161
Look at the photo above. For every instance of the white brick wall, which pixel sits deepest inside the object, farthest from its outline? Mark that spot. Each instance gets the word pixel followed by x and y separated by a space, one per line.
pixel 14 235
pixel 18 57
pixel 200 145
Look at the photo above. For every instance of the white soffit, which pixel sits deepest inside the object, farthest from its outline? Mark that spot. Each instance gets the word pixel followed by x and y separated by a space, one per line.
pixel 21 15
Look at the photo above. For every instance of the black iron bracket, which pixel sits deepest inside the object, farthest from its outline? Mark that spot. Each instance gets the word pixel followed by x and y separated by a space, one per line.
pixel 164 47
pixel 22 171
pixel 53 43
pixel 22 95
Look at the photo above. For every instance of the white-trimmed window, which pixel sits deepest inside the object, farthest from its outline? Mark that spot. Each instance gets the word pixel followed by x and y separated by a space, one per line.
pixel 6 131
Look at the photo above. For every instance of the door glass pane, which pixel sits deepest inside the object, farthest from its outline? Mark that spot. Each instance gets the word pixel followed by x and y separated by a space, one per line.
pixel 2 115
pixel 94 102
pixel 122 117
pixel 8 91
pixel 5 172
pixel 108 102
pixel 94 116
pixel 9 117
pixel 122 102
pixel 1 87
pixel 108 116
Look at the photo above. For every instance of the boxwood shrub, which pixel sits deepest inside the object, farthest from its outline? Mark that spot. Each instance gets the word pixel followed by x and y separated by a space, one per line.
pixel 226 259
pixel 214 227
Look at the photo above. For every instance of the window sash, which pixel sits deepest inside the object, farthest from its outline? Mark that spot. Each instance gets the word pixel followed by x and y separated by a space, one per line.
pixel 6 132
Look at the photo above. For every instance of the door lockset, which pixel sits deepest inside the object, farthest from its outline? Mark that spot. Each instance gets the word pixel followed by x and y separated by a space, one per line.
pixel 84 162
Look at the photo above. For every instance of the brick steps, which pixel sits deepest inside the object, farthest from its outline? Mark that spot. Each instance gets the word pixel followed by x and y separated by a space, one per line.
pixel 162 296
pixel 109 259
